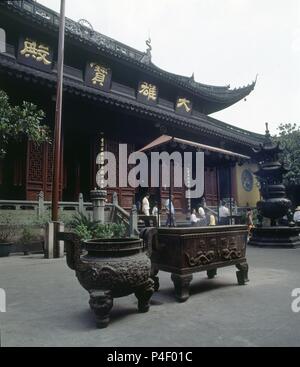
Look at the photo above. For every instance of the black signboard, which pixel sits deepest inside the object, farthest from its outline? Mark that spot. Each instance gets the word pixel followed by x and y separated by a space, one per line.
pixel 98 76
pixel 35 53
pixel 147 93
pixel 183 106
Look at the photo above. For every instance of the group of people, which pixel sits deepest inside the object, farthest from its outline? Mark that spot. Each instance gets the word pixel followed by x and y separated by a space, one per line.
pixel 200 217
pixel 169 207
pixel 203 218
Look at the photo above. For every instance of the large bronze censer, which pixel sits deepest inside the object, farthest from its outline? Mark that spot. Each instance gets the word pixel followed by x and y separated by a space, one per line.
pixel 108 269
pixel 274 204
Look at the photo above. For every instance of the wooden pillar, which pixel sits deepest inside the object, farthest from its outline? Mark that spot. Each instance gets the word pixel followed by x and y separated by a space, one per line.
pixel 53 248
pixel 230 194
pixel 170 197
pixel 218 192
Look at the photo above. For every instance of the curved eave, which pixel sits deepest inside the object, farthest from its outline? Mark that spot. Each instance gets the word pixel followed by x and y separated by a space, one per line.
pixel 164 140
pixel 221 96
pixel 216 97
pixel 203 124
pixel 267 150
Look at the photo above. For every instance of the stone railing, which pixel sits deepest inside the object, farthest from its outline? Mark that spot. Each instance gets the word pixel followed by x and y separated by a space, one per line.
pixel 35 212
pixel 27 211
pixel 119 215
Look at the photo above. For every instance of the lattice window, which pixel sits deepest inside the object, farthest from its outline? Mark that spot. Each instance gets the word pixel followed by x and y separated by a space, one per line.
pixel 39 170
pixel 49 163
pixel 35 162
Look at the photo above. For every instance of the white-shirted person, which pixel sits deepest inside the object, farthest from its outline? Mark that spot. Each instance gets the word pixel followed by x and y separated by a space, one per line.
pixel 297 215
pixel 146 205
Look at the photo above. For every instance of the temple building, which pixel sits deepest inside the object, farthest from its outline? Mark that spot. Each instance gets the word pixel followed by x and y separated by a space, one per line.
pixel 114 91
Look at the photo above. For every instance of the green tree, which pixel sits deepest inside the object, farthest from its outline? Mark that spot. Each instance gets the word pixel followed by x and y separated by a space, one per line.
pixel 19 122
pixel 289 138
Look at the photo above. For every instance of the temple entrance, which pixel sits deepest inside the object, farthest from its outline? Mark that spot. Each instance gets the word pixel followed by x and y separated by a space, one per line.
pixel 211 186
pixel 225 182
pixel 77 164
pixel 13 173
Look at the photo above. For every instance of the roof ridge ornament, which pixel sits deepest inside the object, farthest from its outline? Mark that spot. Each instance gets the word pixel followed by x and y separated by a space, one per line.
pixel 267 130
pixel 219 95
pixel 85 23
pixel 146 59
pixel 86 27
pixel 268 139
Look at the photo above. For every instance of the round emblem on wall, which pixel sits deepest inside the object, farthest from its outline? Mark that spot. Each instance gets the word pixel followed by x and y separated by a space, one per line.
pixel 247 180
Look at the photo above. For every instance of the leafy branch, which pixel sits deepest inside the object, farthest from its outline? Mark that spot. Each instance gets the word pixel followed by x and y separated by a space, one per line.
pixel 19 122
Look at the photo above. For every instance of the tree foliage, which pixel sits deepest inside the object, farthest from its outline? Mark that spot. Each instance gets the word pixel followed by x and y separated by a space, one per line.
pixel 19 122
pixel 289 138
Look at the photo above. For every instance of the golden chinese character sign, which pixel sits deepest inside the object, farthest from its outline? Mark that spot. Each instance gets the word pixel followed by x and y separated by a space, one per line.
pixel 147 93
pixel 183 106
pixel 98 76
pixel 34 53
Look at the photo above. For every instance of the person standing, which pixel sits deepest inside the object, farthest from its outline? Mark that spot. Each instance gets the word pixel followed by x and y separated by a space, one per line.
pixel 146 205
pixel 155 209
pixel 201 212
pixel 224 214
pixel 210 218
pixel 194 220
pixel 297 215
pixel 249 221
pixel 170 209
pixel 202 217
pixel 155 213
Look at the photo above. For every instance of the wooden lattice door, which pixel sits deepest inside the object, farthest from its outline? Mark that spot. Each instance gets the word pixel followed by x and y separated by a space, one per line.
pixel 211 186
pixel 39 171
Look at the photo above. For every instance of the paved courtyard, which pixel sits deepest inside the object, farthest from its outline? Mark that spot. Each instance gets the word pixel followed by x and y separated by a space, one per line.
pixel 46 306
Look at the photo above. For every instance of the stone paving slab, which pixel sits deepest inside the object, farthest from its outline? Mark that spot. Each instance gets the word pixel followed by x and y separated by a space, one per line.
pixel 46 306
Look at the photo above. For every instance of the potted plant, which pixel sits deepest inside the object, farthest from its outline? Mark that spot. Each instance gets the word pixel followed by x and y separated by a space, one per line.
pixel 6 235
pixel 29 241
pixel 82 226
pixel 108 264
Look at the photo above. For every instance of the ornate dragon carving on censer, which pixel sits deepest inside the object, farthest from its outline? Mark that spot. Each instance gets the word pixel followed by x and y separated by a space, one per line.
pixel 231 253
pixel 274 204
pixel 201 258
pixel 229 250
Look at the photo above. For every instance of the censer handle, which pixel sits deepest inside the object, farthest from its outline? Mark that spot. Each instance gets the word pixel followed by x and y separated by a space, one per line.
pixel 73 248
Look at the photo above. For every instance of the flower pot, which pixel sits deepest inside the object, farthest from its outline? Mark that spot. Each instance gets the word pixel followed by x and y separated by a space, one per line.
pixel 32 247
pixel 109 269
pixel 5 249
